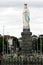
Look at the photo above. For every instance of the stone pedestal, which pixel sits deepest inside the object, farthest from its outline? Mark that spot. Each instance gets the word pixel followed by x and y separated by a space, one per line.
pixel 26 42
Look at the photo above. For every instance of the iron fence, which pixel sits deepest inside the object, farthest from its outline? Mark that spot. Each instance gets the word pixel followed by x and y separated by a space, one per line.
pixel 22 61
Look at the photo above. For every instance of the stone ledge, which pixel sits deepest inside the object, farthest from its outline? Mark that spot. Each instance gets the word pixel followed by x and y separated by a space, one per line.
pixel 26 33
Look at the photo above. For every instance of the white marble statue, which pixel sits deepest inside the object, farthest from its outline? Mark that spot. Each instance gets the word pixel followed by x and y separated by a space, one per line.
pixel 26 17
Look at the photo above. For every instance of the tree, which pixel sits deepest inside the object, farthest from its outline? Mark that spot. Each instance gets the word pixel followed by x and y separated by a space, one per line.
pixel 16 43
pixel 37 40
pixel 34 41
pixel 40 41
pixel 5 44
pixel 1 44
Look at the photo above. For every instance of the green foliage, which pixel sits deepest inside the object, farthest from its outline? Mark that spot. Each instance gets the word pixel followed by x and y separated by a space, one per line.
pixel 38 43
pixel 34 41
pixel 42 43
pixel 16 44
pixel 37 40
pixel 5 45
pixel 15 40
pixel 1 44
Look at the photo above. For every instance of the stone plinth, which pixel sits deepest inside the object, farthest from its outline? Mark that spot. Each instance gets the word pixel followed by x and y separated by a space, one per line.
pixel 26 42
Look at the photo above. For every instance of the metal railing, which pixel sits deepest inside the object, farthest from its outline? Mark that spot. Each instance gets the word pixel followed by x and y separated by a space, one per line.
pixel 22 61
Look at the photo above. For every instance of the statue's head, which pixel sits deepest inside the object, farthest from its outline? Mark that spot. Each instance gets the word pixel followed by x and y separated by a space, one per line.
pixel 25 6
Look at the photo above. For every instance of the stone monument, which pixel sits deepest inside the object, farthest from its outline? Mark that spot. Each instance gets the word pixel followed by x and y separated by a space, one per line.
pixel 26 43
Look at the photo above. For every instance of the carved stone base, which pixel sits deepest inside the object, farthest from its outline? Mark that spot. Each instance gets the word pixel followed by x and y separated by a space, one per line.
pixel 26 42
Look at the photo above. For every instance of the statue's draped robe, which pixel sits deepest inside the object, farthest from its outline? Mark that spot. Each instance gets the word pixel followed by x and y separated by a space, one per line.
pixel 26 19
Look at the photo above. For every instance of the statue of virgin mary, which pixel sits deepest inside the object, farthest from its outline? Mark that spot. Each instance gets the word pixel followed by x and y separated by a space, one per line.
pixel 26 17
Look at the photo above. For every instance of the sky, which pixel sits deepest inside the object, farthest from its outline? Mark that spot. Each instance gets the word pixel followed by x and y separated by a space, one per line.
pixel 11 16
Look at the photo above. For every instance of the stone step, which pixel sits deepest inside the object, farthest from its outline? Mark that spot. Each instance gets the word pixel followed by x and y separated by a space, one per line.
pixel 26 52
pixel 27 45
pixel 26 33
pixel 26 49
pixel 26 39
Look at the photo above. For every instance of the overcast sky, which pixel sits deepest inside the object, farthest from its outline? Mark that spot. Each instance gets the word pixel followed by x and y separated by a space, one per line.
pixel 19 3
pixel 11 16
